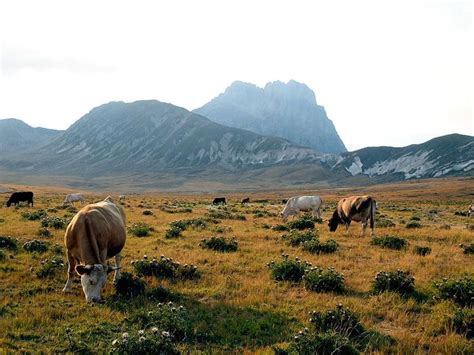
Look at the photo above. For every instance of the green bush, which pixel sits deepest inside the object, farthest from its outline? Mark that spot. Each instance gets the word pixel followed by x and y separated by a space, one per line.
pixel 223 214
pixel 165 268
pixel 34 216
pixel 140 229
pixel 288 269
pixel 129 286
pixel 311 343
pixel 384 223
pixel 147 213
pixel 423 251
pixel 396 281
pixel 154 341
pixel 280 228
pixel 413 224
pixel 50 267
pixel 390 242
pixel 3 255
pixel 340 320
pixel 415 218
pixel 467 249
pixel 301 223
pixel 316 247
pixel 43 232
pixel 295 238
pixel 8 243
pixel 54 222
pixel 221 244
pixel 323 280
pixel 463 322
pixel 195 223
pixel 173 232
pixel 460 291
pixel 37 246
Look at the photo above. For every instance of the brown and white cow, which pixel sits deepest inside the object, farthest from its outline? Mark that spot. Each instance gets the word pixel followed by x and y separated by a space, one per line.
pixel 96 233
pixel 355 208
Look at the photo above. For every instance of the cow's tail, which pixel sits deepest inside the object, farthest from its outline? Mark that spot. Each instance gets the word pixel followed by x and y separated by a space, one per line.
pixel 373 209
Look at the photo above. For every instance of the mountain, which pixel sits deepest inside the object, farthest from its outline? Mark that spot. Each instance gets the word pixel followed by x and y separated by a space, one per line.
pixel 283 110
pixel 16 135
pixel 450 155
pixel 151 136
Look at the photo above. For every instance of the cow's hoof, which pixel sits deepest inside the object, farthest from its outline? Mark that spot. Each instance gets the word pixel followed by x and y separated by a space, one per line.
pixel 67 289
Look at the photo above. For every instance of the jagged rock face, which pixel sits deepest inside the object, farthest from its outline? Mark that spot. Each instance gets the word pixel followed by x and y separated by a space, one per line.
pixel 16 135
pixel 283 110
pixel 147 136
pixel 451 155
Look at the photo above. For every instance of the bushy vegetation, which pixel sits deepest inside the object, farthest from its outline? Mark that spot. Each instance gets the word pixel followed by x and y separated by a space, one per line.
pixel 463 322
pixel 384 223
pixel 195 223
pixel 467 249
pixel 295 238
pixel 323 280
pixel 413 225
pixel 224 214
pixel 288 269
pixel 173 232
pixel 140 229
pixel 220 243
pixel 165 268
pixel 302 223
pixel 37 246
pixel 129 286
pixel 54 222
pixel 423 251
pixel 153 341
pixel 317 247
pixel 50 267
pixel 43 232
pixel 147 213
pixel 8 243
pixel 460 291
pixel 390 242
pixel 34 216
pixel 280 228
pixel 396 281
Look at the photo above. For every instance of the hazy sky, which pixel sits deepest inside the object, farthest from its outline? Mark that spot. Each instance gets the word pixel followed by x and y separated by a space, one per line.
pixel 387 72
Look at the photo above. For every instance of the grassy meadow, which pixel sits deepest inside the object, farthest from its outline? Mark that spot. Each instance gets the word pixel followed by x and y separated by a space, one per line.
pixel 235 306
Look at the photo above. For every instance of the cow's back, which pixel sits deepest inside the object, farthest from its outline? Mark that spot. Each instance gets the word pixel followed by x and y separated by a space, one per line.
pixel 96 232
pixel 353 205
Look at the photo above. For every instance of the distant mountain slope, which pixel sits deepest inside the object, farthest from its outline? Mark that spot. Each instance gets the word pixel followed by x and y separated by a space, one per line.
pixel 450 155
pixel 150 136
pixel 283 110
pixel 16 135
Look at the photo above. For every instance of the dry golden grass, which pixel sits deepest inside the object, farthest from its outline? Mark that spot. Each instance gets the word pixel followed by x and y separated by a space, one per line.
pixel 34 313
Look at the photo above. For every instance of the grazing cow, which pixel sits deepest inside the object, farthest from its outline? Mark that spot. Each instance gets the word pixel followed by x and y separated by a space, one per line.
pixel 354 208
pixel 18 197
pixel 70 198
pixel 470 211
pixel 96 233
pixel 219 200
pixel 302 203
pixel 245 200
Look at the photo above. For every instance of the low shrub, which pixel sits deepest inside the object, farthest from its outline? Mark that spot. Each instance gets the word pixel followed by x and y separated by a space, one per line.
pixel 460 291
pixel 288 269
pixel 301 223
pixel 43 232
pixel 165 268
pixel 221 244
pixel 54 222
pixel 295 238
pixel 140 229
pixel 413 225
pixel 316 247
pixel 222 214
pixel 49 267
pixel 396 281
pixel 195 223
pixel 154 341
pixel 340 320
pixel 3 255
pixel 34 216
pixel 463 322
pixel 323 280
pixel 390 242
pixel 9 243
pixel 173 232
pixel 280 228
pixel 37 246
pixel 467 249
pixel 147 213
pixel 415 218
pixel 384 223
pixel 423 251
pixel 129 286
pixel 331 343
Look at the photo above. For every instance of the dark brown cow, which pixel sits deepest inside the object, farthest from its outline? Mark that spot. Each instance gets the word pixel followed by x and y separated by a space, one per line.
pixel 354 208
pixel 245 200
pixel 96 233
pixel 219 200
pixel 18 197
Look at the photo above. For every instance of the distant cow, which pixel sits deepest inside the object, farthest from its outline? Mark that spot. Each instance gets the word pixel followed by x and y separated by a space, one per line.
pixel 302 203
pixel 219 200
pixel 18 197
pixel 70 198
pixel 121 197
pixel 96 233
pixel 470 211
pixel 245 200
pixel 354 208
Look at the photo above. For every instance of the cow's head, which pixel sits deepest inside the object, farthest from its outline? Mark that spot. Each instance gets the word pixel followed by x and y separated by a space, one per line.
pixel 334 221
pixel 284 214
pixel 93 278
pixel 9 203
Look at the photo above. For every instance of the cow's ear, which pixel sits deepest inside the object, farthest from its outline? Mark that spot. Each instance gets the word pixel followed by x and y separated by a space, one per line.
pixel 84 269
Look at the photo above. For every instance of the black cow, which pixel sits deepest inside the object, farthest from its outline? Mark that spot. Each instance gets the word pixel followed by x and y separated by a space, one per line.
pixel 219 200
pixel 245 200
pixel 18 197
pixel 284 201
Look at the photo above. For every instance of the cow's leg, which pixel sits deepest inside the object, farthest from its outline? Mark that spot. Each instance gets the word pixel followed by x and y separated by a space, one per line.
pixel 364 227
pixel 118 259
pixel 70 272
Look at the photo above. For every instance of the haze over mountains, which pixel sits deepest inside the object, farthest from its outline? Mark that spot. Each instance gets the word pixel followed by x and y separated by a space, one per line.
pixel 283 110
pixel 151 144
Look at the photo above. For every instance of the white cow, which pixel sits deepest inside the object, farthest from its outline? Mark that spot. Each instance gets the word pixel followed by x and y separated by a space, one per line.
pixel 302 203
pixel 70 198
pixel 121 197
pixel 470 211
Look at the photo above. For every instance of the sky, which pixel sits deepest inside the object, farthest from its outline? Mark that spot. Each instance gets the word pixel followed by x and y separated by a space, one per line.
pixel 387 72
